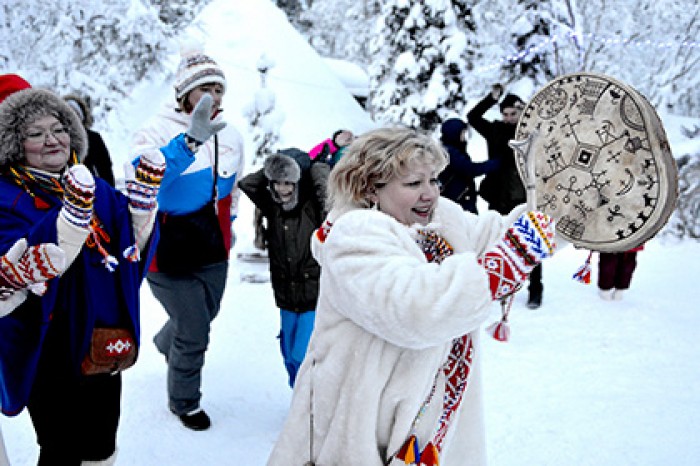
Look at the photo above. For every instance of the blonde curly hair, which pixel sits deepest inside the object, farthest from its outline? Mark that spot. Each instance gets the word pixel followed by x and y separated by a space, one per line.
pixel 377 157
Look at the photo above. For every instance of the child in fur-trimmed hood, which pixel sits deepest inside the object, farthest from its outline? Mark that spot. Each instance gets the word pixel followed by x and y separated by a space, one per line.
pixel 290 192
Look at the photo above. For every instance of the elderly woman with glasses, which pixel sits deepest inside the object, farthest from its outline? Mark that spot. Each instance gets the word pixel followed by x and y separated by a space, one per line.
pixel 63 345
pixel 407 277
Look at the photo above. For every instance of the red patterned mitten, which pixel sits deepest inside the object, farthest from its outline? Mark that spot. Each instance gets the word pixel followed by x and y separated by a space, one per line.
pixel 78 196
pixel 525 244
pixel 143 188
pixel 30 267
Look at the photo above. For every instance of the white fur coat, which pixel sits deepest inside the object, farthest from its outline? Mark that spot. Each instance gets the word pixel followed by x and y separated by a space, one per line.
pixel 384 326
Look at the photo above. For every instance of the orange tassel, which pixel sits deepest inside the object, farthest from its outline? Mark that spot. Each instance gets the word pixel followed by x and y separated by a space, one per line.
pixel 583 274
pixel 409 451
pixel 429 457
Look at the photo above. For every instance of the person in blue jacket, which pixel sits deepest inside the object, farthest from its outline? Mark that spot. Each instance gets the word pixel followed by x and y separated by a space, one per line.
pixel 458 177
pixel 47 196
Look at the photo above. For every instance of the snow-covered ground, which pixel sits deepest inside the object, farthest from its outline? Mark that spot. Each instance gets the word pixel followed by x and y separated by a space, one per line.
pixel 582 382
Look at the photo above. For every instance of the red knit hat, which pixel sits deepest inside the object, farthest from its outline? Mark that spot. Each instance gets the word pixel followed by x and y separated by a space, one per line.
pixel 11 83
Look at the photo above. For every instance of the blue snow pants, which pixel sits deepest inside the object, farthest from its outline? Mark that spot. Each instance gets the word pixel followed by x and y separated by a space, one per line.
pixel 294 339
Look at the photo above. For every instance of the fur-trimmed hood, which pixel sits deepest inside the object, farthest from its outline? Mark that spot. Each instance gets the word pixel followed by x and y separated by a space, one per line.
pixel 280 167
pixel 20 109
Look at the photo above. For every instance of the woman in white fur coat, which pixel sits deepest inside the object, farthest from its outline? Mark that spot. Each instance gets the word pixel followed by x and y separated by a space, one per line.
pixel 392 372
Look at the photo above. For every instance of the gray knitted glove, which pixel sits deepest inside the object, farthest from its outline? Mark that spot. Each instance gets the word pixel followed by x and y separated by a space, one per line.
pixel 202 127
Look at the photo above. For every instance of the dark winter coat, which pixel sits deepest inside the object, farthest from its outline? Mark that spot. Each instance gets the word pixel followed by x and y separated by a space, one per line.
pixel 458 177
pixel 502 189
pixel 97 159
pixel 293 271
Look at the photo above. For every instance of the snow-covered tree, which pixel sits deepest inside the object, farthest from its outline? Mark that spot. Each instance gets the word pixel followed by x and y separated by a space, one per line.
pixel 100 49
pixel 294 9
pixel 178 14
pixel 341 28
pixel 685 221
pixel 417 69
pixel 652 45
pixel 264 119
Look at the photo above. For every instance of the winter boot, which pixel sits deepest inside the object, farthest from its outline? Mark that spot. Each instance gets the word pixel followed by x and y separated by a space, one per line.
pixel 534 300
pixel 196 420
pixel 106 462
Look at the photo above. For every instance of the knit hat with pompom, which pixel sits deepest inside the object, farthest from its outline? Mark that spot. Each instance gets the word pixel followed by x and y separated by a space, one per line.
pixel 196 68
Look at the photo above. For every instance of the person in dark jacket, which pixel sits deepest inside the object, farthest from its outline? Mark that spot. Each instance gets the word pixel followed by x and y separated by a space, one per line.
pixel 503 189
pixel 97 159
pixel 290 193
pixel 458 177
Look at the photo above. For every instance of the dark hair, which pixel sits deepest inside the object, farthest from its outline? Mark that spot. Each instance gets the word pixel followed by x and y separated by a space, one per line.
pixel 183 103
pixel 511 100
pixel 337 133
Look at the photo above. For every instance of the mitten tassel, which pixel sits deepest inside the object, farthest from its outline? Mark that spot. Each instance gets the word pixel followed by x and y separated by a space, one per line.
pixel 500 330
pixel 583 274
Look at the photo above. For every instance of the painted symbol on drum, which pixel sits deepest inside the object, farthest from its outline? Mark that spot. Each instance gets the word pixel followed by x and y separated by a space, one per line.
pixel 598 168
pixel 551 103
pixel 627 184
pixel 615 211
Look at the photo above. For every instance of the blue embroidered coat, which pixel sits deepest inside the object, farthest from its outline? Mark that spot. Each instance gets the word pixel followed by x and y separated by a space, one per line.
pixel 85 296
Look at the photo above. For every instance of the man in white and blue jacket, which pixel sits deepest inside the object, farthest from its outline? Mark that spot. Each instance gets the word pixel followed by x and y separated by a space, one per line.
pixel 204 159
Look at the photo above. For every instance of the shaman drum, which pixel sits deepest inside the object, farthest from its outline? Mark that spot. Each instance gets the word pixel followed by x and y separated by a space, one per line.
pixel 602 164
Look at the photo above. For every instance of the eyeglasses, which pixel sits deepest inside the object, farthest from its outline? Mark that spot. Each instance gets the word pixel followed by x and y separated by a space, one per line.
pixel 37 136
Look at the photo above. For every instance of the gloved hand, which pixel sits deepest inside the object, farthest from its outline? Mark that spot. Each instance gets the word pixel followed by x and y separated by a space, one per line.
pixel 201 127
pixel 143 183
pixel 78 196
pixel 29 267
pixel 525 244
pixel 496 91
